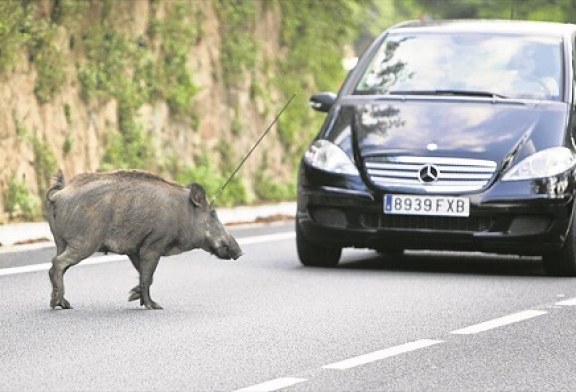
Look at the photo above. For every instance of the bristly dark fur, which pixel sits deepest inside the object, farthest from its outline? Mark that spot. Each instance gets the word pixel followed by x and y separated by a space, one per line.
pixel 140 175
pixel 127 174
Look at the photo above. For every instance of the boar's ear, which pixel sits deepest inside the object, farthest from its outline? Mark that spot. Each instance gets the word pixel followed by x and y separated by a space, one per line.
pixel 197 195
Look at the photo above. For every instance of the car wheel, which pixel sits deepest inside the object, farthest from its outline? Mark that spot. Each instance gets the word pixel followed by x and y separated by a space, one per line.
pixel 563 262
pixel 316 255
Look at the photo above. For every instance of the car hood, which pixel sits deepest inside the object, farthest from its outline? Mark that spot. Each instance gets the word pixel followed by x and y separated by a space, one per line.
pixel 500 131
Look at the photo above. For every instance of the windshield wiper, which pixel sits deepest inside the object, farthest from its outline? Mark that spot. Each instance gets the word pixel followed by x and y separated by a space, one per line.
pixel 464 93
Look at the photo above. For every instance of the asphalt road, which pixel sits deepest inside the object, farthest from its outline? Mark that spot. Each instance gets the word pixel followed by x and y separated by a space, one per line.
pixel 418 322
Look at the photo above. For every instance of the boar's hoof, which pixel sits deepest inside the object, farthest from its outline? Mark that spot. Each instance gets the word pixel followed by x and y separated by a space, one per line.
pixel 152 305
pixel 134 294
pixel 63 303
pixel 133 297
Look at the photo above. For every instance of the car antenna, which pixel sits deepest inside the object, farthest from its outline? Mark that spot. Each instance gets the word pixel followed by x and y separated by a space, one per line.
pixel 252 150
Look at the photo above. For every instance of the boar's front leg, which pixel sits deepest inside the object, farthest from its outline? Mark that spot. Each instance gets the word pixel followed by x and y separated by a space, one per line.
pixel 148 262
pixel 135 291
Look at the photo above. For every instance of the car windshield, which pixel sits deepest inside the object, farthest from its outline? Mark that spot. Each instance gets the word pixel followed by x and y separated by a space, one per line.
pixel 492 65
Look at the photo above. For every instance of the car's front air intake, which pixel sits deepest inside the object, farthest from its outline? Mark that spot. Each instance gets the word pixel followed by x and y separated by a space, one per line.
pixel 430 174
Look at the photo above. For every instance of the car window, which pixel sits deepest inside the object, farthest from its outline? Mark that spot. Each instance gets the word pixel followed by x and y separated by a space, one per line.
pixel 512 66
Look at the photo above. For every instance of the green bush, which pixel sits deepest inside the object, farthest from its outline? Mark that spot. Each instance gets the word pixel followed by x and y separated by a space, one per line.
pixel 267 189
pixel 207 175
pixel 180 29
pixel 108 73
pixel 20 202
pixel 129 149
pixel 68 114
pixel 45 164
pixel 48 60
pixel 67 145
pixel 238 49
pixel 12 34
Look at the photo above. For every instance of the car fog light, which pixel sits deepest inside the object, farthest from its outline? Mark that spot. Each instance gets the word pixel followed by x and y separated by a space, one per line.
pixel 329 217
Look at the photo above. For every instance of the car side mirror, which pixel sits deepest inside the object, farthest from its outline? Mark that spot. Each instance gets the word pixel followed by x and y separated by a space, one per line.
pixel 322 102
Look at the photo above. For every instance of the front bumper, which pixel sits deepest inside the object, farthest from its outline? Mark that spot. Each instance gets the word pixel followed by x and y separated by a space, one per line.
pixel 514 218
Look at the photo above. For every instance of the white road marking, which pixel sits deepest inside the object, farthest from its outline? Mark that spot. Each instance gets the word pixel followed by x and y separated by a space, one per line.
pixel 46 266
pixel 499 322
pixel 273 385
pixel 266 238
pixel 112 258
pixel 382 354
pixel 25 247
pixel 25 268
pixel 567 302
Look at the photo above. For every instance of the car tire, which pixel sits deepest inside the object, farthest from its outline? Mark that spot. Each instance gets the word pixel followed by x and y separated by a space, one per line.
pixel 316 255
pixel 563 262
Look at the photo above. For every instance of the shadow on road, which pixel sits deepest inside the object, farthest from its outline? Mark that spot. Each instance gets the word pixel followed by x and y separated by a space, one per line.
pixel 447 262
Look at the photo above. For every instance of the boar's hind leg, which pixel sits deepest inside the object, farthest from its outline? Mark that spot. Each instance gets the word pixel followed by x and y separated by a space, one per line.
pixel 60 248
pixel 135 292
pixel 61 263
pixel 148 263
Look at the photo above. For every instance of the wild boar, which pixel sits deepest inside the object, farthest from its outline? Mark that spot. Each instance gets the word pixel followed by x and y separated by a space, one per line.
pixel 134 213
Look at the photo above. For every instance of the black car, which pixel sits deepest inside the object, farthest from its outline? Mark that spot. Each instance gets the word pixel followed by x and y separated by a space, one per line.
pixel 454 135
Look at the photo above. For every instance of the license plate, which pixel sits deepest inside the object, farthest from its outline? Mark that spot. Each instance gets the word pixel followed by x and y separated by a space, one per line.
pixel 426 205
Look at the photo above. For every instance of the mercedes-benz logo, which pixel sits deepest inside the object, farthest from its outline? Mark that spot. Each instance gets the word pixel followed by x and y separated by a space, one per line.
pixel 428 173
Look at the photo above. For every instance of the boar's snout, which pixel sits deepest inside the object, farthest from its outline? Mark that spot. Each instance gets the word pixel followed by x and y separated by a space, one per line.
pixel 237 254
pixel 227 249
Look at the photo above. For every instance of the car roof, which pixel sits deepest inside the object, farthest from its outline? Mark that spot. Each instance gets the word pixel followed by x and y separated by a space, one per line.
pixel 486 26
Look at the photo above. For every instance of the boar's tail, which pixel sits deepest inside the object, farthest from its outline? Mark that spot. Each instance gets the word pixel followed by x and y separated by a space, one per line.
pixel 58 183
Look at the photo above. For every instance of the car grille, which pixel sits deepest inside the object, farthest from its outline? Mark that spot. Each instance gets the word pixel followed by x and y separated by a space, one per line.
pixel 430 174
pixel 471 224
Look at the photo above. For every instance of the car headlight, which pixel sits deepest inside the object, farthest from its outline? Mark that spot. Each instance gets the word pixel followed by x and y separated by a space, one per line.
pixel 325 155
pixel 545 163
